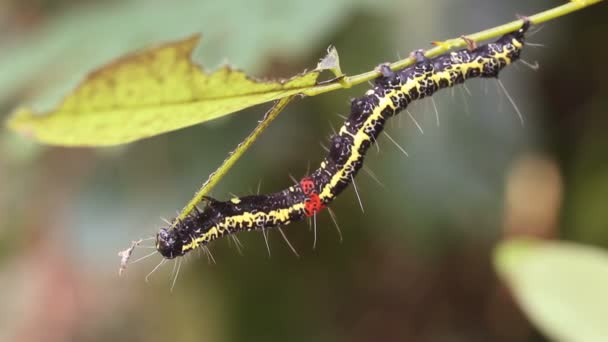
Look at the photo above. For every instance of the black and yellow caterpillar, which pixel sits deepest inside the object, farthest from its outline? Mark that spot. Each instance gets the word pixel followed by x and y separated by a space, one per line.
pixel 392 93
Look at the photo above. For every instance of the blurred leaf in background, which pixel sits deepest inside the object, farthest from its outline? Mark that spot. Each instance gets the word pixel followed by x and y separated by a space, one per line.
pixel 561 286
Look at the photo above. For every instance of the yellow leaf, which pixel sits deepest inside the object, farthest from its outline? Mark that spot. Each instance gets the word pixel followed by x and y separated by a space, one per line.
pixel 148 93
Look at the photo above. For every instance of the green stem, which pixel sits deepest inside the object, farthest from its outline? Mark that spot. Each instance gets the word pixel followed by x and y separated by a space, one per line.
pixel 454 43
pixel 221 171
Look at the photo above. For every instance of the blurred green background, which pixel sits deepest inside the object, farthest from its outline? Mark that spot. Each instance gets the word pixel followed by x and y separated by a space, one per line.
pixel 415 266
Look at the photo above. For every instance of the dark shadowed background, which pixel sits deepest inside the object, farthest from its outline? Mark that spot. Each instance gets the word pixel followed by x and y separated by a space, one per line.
pixel 415 266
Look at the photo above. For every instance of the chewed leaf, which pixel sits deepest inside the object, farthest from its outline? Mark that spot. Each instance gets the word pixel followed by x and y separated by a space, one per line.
pixel 331 62
pixel 148 93
pixel 561 286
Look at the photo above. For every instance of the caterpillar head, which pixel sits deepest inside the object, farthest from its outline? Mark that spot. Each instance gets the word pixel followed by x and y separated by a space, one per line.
pixel 525 26
pixel 168 243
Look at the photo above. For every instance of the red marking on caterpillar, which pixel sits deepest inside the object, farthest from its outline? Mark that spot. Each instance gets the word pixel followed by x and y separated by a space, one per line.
pixel 307 185
pixel 313 204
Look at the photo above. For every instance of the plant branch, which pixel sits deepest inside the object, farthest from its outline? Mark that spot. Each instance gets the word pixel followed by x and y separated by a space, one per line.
pixel 444 46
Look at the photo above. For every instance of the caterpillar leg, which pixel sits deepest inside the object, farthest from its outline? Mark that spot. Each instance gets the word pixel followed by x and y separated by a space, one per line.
pixel 385 70
pixel 209 199
pixel 471 44
pixel 419 56
pixel 526 25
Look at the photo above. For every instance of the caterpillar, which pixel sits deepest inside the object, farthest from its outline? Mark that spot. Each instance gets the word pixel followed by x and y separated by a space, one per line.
pixel 393 91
